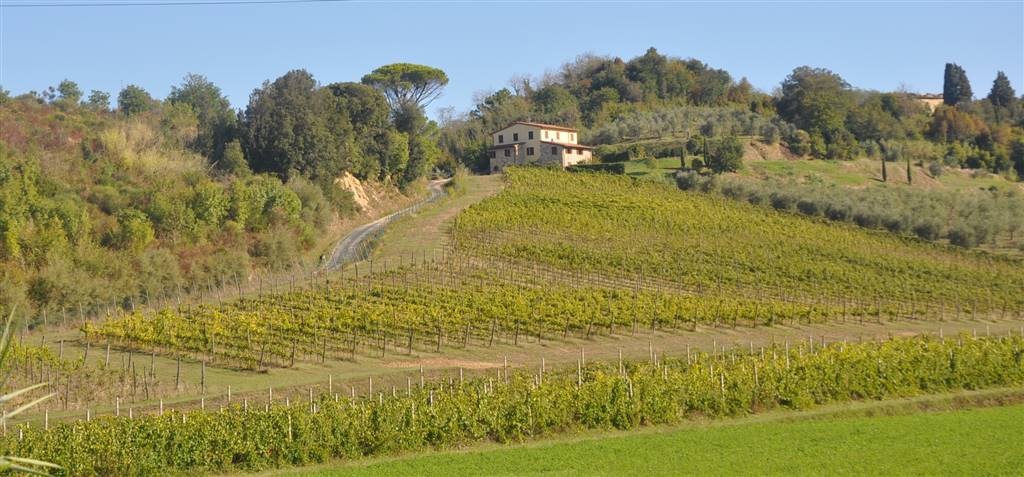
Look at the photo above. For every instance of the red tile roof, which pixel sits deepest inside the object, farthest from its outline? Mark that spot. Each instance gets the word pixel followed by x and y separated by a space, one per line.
pixel 540 125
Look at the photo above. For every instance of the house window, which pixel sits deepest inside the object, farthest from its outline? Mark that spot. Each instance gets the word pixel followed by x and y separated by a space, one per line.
pixel 501 139
pixel 508 152
pixel 558 135
pixel 572 137
pixel 529 151
pixel 529 134
pixel 493 154
pixel 568 150
pixel 545 134
pixel 554 150
pixel 515 136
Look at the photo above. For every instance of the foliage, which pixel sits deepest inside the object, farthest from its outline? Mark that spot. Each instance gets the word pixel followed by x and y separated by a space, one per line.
pixel 407 85
pixel 701 241
pixel 1002 94
pixel 522 405
pixel 727 155
pixel 216 120
pixel 966 218
pixel 97 209
pixel 956 88
pixel 133 100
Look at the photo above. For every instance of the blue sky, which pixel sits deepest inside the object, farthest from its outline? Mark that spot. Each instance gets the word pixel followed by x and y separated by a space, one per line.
pixel 872 45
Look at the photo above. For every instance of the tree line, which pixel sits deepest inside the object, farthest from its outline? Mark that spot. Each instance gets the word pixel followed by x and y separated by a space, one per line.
pixel 114 204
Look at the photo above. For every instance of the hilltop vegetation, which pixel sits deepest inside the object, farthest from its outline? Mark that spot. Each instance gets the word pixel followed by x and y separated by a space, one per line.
pixel 815 113
pixel 122 206
pixel 612 224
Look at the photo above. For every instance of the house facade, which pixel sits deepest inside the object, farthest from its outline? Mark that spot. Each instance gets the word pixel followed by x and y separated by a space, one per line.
pixel 526 143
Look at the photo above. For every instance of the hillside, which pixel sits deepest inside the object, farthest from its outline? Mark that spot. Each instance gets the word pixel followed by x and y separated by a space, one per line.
pixel 611 224
pixel 99 210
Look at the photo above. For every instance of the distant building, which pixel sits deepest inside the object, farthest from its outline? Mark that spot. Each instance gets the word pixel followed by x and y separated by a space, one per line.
pixel 931 100
pixel 522 143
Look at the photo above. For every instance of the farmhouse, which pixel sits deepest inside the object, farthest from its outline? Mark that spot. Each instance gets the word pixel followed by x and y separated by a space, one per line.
pixel 522 143
pixel 930 100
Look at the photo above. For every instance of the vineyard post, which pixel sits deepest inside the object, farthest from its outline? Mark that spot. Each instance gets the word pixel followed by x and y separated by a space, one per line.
pixel 229 393
pixel 410 339
pixel 330 384
pixel 106 360
pixel 202 377
pixel 421 377
pixel 60 355
pixel 177 373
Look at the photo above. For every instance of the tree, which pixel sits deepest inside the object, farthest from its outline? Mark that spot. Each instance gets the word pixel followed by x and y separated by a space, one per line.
pixel 216 120
pixel 133 100
pixel 233 160
pixel 287 129
pixel 99 100
pixel 1002 93
pixel 405 85
pixel 817 101
pixel 955 86
pixel 1017 157
pixel 727 155
pixel 70 93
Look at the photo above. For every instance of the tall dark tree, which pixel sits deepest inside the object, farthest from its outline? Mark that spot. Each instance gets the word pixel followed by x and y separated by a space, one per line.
pixel 133 100
pixel 287 129
pixel 955 86
pixel 216 120
pixel 1002 94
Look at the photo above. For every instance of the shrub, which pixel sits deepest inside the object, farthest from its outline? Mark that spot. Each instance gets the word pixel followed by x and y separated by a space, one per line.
pixel 928 230
pixel 963 237
pixel 687 180
pixel 782 201
pixel 808 207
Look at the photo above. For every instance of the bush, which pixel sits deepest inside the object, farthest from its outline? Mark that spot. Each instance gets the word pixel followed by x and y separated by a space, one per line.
pixel 963 237
pixel 894 224
pixel 727 155
pixel 935 169
pixel 611 168
pixel 928 230
pixel 838 212
pixel 687 180
pixel 808 207
pixel 782 201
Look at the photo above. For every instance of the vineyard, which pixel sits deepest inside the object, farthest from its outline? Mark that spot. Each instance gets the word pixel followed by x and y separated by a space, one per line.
pixel 604 224
pixel 514 405
pixel 416 310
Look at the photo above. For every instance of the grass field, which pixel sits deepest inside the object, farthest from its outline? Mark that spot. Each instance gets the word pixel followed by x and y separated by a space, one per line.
pixel 982 441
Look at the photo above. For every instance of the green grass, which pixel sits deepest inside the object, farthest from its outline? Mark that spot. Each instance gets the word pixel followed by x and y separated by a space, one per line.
pixel 964 442
pixel 840 173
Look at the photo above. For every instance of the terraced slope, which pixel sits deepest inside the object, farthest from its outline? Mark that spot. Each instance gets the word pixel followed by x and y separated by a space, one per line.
pixel 605 224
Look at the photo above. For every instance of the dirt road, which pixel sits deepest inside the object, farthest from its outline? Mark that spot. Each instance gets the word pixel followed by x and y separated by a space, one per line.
pixel 355 246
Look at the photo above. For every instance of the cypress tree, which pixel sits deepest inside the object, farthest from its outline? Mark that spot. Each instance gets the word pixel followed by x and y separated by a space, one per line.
pixel 1002 93
pixel 955 86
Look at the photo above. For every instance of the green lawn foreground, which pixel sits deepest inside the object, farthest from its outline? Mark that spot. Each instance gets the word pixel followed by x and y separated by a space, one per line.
pixel 984 441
